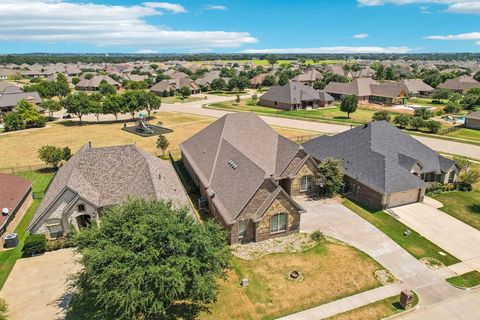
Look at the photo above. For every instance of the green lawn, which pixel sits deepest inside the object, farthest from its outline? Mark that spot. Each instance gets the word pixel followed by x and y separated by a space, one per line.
pixel 467 280
pixel 226 93
pixel 178 99
pixel 464 206
pixel 9 257
pixel 322 114
pixel 415 244
pixel 426 102
pixel 464 133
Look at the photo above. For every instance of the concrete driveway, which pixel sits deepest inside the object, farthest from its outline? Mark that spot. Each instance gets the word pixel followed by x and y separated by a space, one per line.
pixel 458 238
pixel 37 289
pixel 339 222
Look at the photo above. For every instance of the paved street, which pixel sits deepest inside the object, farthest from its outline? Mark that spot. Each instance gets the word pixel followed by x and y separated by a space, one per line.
pixel 458 238
pixel 436 144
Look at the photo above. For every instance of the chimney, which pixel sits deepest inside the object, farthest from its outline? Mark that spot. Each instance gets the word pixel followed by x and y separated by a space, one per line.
pixel 89 144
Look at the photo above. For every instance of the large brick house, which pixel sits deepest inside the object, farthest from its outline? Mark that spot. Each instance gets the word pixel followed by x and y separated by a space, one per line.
pixel 384 167
pixel 97 178
pixel 248 175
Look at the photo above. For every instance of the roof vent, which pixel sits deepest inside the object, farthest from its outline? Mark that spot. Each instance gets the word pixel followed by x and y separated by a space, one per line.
pixel 365 125
pixel 232 164
pixel 5 211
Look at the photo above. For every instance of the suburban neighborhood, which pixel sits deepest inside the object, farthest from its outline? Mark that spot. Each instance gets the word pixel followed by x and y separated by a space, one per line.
pixel 152 170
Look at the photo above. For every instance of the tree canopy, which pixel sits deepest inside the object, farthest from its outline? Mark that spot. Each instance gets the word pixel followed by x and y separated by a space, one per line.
pixel 144 259
pixel 349 104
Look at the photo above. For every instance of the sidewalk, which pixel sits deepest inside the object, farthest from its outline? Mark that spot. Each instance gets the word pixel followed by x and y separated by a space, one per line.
pixel 347 304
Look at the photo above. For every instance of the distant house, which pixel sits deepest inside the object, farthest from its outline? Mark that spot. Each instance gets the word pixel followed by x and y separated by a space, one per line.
pixel 8 88
pixel 416 87
pixel 207 79
pixel 309 77
pixel 247 175
pixel 293 96
pixel 174 85
pixel 368 90
pixel 9 101
pixel 256 82
pixel 384 167
pixel 461 84
pixel 97 178
pixel 15 198
pixel 93 84
pixel 472 120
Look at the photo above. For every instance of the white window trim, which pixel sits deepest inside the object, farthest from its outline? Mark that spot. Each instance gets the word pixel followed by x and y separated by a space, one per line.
pixel 286 223
pixel 240 236
pixel 311 181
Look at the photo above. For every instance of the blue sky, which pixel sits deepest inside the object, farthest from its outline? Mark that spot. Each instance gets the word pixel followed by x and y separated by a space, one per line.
pixel 283 26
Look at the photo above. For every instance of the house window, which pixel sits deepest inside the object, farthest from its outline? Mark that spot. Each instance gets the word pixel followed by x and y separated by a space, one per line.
pixel 278 223
pixel 242 229
pixel 306 183
pixel 451 177
pixel 54 227
pixel 81 208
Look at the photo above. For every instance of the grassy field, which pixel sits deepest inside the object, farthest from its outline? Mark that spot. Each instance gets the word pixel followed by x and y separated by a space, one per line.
pixel 374 311
pixel 21 147
pixel 178 99
pixel 331 271
pixel 464 133
pixel 9 257
pixel 415 244
pixel 468 280
pixel 464 206
pixel 329 114
pixel 426 102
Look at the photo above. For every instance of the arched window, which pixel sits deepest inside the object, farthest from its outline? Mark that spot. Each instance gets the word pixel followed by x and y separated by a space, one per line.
pixel 306 183
pixel 278 223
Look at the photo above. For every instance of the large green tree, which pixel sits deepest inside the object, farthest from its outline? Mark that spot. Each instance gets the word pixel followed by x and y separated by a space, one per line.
pixel 349 104
pixel 113 105
pixel 144 259
pixel 61 86
pixel 52 155
pixel 78 104
pixel 331 174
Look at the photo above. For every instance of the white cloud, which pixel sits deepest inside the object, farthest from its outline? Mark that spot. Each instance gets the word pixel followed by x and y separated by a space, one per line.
pixel 454 6
pixel 215 7
pixel 173 7
pixel 63 21
pixel 334 50
pixel 147 51
pixel 462 36
pixel 360 36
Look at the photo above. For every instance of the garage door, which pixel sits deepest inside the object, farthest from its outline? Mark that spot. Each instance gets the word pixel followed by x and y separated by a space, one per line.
pixel 403 198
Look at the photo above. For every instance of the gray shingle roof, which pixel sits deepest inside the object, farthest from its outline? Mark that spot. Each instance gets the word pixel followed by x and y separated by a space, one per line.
pixel 257 152
pixel 291 93
pixel 473 115
pixel 380 156
pixel 94 82
pixel 12 99
pixel 460 83
pixel 415 86
pixel 109 175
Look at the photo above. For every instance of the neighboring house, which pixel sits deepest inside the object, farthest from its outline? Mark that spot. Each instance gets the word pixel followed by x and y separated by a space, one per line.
pixel 416 87
pixel 174 85
pixel 309 77
pixel 93 84
pixel 256 82
pixel 366 72
pixel 247 175
pixel 293 96
pixel 8 102
pixel 384 167
pixel 368 90
pixel 207 79
pixel 5 73
pixel 472 120
pixel 8 88
pixel 97 178
pixel 461 84
pixel 15 199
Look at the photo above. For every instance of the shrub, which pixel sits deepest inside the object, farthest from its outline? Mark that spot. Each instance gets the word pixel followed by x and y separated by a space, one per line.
pixel 402 120
pixel 435 188
pixel 464 186
pixel 433 126
pixel 3 309
pixel 381 115
pixel 317 236
pixel 13 122
pixel 34 244
pixel 60 243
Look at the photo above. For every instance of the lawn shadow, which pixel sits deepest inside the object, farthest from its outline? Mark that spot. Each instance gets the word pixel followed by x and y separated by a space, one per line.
pixel 76 123
pixel 474 208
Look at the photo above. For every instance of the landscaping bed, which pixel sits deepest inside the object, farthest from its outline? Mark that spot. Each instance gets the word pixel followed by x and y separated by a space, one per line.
pixel 417 245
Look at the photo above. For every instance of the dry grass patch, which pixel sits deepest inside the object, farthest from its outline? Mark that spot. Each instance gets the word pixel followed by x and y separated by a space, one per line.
pixel 20 148
pixel 331 271
pixel 374 311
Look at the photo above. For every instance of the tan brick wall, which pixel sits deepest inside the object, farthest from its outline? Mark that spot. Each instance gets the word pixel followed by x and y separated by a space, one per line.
pixel 279 205
pixel 308 169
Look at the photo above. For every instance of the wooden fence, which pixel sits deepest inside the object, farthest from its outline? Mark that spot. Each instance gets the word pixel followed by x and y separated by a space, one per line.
pixel 13 170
